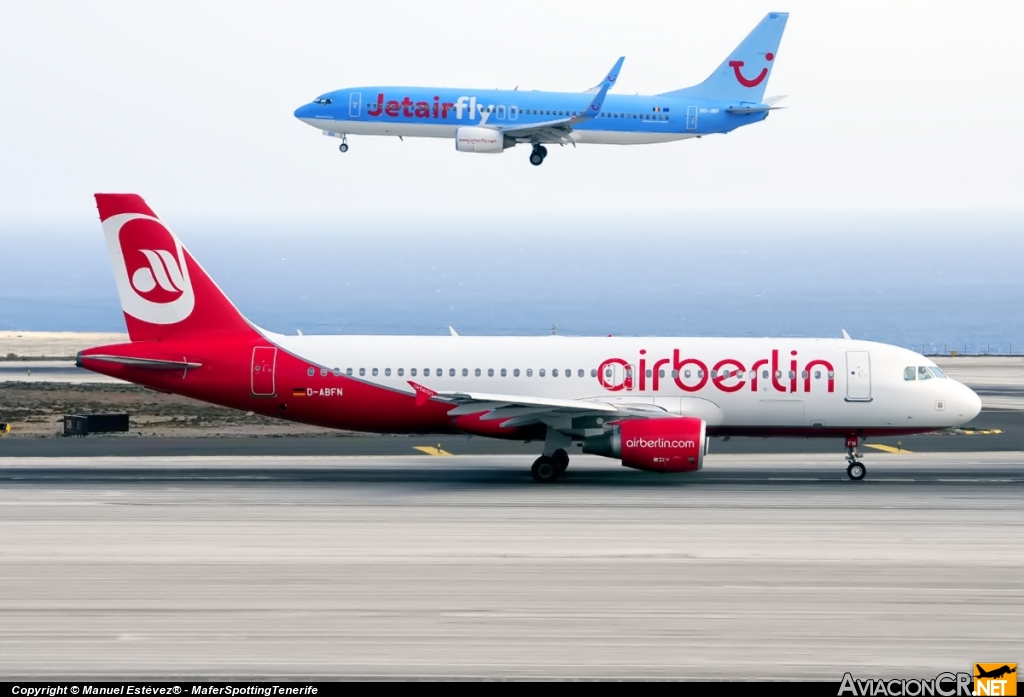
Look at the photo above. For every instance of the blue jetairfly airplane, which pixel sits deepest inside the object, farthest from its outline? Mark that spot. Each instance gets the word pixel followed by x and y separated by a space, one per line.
pixel 490 121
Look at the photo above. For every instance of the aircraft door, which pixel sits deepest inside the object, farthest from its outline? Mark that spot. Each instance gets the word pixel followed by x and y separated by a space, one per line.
pixel 858 376
pixel 355 102
pixel 691 118
pixel 264 360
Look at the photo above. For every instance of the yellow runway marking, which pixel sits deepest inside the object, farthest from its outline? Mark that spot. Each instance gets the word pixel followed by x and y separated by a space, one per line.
pixel 886 448
pixel 431 449
pixel 979 431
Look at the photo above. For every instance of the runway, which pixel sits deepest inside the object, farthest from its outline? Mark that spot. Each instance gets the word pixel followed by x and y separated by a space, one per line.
pixel 759 566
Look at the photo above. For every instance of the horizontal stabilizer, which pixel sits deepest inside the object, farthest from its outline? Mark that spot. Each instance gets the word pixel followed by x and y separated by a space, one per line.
pixel 751 108
pixel 150 363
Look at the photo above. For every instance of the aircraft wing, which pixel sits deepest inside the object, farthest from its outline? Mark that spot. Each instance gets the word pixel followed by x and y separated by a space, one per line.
pixel 558 130
pixel 519 410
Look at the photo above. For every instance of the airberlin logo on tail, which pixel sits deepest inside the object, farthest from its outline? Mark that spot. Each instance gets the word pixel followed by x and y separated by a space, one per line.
pixel 150 269
pixel 747 82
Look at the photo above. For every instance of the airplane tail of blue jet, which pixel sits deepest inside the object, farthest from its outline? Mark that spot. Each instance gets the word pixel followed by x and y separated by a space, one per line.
pixel 743 76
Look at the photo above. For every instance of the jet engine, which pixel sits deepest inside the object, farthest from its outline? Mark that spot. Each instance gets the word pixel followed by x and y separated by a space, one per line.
pixel 656 445
pixel 477 139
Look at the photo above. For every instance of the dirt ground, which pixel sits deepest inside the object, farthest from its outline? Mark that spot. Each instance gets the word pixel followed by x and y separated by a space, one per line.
pixel 37 409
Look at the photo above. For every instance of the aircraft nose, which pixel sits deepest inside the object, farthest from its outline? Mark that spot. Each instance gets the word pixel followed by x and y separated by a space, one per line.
pixel 304 112
pixel 968 403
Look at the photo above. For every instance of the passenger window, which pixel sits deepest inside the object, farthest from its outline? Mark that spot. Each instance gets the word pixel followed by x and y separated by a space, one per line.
pixel 362 371
pixel 311 372
pixel 909 373
pixel 387 372
pixel 764 374
pixel 490 372
pixel 923 374
pixel 725 373
pixel 714 373
pixel 554 373
pixel 477 372
pixel 515 373
pixel 593 372
pixel 804 375
pixel 817 375
pixel 348 371
pixel 465 372
pixel 778 374
pixel 608 373
pixel 568 372
pixel 580 373
pixel 451 372
pixel 661 373
pixel 374 371
pixel 323 372
pixel 337 372
pixel 831 374
pixel 650 373
pixel 675 374
pixel 686 373
pixel 529 372
pixel 426 372
pixel 792 374
pixel 439 372
pixel 412 372
pixel 700 373
pixel 401 372
pixel 540 372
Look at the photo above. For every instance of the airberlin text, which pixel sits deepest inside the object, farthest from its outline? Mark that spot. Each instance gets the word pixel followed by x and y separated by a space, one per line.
pixel 727 375
pixel 942 685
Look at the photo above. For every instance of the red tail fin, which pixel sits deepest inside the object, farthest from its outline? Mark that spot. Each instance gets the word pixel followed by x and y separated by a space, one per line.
pixel 164 291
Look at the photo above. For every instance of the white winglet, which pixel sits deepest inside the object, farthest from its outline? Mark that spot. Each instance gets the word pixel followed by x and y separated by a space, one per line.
pixel 452 330
pixel 845 335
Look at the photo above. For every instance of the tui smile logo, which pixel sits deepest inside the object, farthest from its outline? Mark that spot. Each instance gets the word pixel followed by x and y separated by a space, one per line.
pixel 747 82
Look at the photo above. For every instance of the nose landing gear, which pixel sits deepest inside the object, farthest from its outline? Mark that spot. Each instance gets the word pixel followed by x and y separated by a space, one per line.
pixel 344 144
pixel 856 469
pixel 538 154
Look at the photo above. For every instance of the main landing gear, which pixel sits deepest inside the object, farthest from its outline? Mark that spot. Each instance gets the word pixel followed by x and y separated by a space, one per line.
pixel 549 468
pixel 538 155
pixel 856 469
pixel 344 144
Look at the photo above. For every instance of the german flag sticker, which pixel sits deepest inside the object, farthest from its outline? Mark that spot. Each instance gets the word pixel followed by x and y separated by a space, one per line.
pixel 298 392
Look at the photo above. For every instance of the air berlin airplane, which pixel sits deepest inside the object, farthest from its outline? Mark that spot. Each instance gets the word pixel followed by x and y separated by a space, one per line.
pixel 652 402
pixel 490 121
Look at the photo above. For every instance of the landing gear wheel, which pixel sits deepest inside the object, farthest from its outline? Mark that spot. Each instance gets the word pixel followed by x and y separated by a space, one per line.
pixel 545 471
pixel 343 147
pixel 536 159
pixel 856 471
pixel 560 458
pixel 542 150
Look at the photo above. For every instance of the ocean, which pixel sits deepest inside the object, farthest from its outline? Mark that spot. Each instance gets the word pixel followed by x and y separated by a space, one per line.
pixel 927 282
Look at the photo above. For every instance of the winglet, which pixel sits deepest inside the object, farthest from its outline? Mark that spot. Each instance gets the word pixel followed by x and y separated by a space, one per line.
pixel 598 101
pixel 845 335
pixel 451 329
pixel 423 394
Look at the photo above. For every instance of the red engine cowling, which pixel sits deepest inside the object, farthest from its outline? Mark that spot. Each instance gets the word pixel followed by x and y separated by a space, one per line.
pixel 657 445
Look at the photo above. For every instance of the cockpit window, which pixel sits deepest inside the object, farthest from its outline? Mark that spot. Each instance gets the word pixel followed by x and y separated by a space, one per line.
pixel 322 100
pixel 922 372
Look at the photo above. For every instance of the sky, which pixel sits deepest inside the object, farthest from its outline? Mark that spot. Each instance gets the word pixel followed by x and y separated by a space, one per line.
pixel 909 108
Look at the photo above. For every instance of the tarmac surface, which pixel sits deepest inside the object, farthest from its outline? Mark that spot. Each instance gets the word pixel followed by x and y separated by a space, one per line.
pixel 991 431
pixel 759 566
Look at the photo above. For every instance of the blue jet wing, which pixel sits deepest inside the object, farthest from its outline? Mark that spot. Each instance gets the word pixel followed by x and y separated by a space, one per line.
pixel 558 130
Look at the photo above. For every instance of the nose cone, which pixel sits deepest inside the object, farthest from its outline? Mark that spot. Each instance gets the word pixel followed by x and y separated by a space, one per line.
pixel 968 403
pixel 304 112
